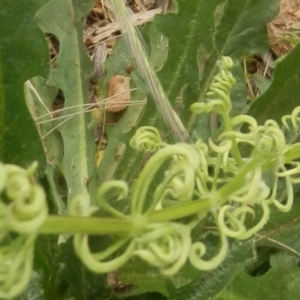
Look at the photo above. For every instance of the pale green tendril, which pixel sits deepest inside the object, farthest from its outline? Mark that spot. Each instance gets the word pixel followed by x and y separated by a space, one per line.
pixel 165 246
pixel 146 138
pixel 23 210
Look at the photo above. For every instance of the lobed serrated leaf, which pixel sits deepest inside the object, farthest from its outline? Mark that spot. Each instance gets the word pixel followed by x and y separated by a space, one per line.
pixel 73 69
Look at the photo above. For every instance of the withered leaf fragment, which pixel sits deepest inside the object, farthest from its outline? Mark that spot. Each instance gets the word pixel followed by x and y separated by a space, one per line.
pixel 118 93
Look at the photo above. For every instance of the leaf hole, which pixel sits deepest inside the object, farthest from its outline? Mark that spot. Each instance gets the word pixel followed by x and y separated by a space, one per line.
pixel 54 47
pixel 58 103
pixel 262 264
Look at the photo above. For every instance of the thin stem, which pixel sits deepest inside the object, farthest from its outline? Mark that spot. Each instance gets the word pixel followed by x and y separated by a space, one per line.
pixel 88 225
pixel 102 226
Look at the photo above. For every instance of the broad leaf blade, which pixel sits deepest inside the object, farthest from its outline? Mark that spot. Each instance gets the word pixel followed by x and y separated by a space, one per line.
pixel 73 280
pixel 208 284
pixel 23 54
pixel 280 282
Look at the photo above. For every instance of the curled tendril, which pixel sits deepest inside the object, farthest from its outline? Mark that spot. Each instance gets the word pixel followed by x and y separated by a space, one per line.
pixel 16 260
pixel 236 218
pixel 293 118
pixel 220 88
pixel 254 190
pixel 282 172
pixel 263 221
pixel 165 246
pixel 23 210
pixel 244 119
pixel 101 262
pixel 120 190
pixel 183 154
pixel 269 140
pixel 237 226
pixel 146 138
pixel 198 250
pixel 178 185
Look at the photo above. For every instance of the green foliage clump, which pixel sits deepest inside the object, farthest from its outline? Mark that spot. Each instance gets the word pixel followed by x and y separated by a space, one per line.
pixel 177 206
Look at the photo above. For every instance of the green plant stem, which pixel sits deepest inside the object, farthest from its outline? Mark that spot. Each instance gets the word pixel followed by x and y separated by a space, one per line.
pixel 88 225
pixel 102 226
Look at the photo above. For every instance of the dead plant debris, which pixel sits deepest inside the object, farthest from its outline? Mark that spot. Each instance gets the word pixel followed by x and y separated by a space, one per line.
pixel 284 30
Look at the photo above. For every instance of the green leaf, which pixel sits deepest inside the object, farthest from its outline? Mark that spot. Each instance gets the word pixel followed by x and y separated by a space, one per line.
pixel 280 282
pixel 34 290
pixel 61 275
pixel 143 278
pixel 23 54
pixel 199 34
pixel 190 39
pixel 73 280
pixel 208 284
pixel 236 36
pixel 283 94
pixel 282 231
pixel 73 69
pixel 40 97
pixel 191 27
pixel 262 82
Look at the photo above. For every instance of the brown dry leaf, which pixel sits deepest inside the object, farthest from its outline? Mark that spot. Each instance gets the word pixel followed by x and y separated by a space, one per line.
pixel 118 93
pixel 284 27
